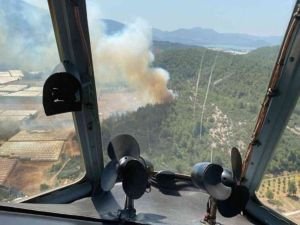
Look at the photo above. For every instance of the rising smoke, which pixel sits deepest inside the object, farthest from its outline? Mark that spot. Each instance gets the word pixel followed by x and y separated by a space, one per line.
pixel 127 55
pixel 26 38
pixel 27 43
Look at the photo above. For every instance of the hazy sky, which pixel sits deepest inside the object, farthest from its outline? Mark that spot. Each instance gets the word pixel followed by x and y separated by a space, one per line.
pixel 259 17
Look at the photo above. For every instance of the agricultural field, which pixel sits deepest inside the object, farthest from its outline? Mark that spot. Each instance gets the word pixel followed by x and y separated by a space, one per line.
pixel 6 166
pixel 34 177
pixel 282 193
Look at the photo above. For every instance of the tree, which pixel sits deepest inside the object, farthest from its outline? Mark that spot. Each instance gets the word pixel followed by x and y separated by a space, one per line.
pixel 44 187
pixel 269 194
pixel 292 189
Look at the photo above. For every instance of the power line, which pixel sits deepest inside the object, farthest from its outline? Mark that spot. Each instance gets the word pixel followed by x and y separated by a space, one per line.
pixel 206 94
pixel 197 84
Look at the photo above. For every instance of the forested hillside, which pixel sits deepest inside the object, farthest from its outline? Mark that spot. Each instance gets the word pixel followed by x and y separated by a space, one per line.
pixel 178 134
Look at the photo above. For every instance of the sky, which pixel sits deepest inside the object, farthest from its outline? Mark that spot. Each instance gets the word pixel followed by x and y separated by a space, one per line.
pixel 257 17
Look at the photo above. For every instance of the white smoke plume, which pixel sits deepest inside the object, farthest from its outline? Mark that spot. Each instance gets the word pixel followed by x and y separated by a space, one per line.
pixel 27 42
pixel 127 55
pixel 26 37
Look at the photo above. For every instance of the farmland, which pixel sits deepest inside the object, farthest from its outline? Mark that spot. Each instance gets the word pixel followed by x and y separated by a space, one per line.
pixel 276 193
pixel 40 153
pixel 33 176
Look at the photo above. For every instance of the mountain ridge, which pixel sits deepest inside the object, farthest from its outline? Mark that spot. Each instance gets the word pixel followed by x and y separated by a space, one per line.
pixel 26 15
pixel 205 37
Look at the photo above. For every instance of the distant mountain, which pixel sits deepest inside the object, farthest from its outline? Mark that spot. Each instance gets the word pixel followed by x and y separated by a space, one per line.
pixel 211 38
pixel 26 40
pixel 113 26
pixel 32 23
pixel 204 37
pixel 20 20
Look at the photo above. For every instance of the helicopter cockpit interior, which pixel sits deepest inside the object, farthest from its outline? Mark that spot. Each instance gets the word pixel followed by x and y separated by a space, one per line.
pixel 133 112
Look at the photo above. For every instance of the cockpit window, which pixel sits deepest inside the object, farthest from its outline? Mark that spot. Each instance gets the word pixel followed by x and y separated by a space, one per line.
pixel 37 153
pixel 280 186
pixel 187 83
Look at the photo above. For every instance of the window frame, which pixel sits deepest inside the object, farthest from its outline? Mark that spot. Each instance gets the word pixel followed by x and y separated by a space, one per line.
pixel 278 113
pixel 72 36
pixel 87 123
pixel 69 20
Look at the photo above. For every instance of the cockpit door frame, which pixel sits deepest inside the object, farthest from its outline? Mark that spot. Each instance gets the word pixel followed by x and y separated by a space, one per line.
pixel 280 107
pixel 70 25
pixel 283 98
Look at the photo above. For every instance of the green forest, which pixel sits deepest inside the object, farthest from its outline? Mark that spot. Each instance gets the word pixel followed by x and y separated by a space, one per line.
pixel 177 135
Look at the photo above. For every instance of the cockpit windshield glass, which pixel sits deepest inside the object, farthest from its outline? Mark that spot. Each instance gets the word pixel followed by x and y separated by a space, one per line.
pixel 37 153
pixel 186 79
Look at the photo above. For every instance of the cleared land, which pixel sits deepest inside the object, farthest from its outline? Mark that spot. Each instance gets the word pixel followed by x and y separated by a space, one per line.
pixel 45 149
pixel 6 167
pixel 28 176
pixel 118 102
